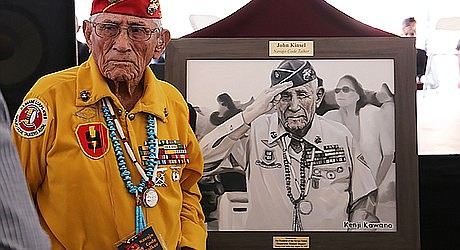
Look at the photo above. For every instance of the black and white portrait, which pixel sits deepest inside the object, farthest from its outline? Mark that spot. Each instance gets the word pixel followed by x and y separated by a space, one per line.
pixel 296 145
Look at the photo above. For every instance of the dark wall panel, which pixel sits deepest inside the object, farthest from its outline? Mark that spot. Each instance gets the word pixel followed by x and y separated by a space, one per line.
pixel 439 202
pixel 36 38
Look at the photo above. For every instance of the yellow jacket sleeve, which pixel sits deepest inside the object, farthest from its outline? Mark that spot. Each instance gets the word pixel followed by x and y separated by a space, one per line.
pixel 32 149
pixel 192 217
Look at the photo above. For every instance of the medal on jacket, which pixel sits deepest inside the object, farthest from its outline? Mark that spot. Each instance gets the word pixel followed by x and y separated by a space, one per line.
pixel 150 197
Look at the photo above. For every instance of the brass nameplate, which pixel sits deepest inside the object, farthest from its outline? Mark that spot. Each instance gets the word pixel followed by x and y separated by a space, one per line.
pixel 291 242
pixel 290 48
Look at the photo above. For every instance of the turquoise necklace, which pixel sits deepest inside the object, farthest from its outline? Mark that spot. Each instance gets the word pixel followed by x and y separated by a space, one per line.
pixel 144 192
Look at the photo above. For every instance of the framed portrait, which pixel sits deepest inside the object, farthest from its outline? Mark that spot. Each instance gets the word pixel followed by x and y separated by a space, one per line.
pixel 308 143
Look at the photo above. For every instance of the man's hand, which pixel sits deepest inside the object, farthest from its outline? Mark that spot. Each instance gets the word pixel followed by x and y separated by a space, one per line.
pixel 361 215
pixel 264 102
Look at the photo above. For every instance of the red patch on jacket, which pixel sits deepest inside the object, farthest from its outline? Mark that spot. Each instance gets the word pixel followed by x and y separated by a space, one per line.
pixel 93 139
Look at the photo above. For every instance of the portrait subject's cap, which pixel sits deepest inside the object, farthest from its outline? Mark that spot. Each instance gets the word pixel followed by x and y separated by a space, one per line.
pixel 297 71
pixel 139 8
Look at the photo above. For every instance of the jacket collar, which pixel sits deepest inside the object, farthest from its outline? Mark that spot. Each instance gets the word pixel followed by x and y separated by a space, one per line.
pixel 90 79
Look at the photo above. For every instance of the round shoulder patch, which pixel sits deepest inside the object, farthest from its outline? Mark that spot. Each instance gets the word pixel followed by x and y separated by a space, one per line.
pixel 31 118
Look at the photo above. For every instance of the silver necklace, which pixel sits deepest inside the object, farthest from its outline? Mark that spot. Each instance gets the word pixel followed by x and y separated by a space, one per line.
pixel 301 206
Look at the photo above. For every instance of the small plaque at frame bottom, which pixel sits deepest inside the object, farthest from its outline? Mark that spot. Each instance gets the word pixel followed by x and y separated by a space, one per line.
pixel 302 242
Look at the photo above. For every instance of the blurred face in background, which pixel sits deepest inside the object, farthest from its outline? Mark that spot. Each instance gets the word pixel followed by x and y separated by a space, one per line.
pixel 345 94
pixel 409 29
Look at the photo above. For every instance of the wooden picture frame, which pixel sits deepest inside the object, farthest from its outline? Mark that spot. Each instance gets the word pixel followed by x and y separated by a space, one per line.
pixel 196 64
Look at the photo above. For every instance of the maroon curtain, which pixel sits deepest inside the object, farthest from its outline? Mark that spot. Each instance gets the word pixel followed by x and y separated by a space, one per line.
pixel 288 18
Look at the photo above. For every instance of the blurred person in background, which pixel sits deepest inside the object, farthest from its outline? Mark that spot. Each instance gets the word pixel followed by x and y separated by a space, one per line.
pixel 19 224
pixel 409 28
pixel 82 48
pixel 458 55
pixel 372 126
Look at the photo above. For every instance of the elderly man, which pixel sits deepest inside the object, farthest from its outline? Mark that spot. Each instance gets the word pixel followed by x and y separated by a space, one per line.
pixel 303 172
pixel 108 153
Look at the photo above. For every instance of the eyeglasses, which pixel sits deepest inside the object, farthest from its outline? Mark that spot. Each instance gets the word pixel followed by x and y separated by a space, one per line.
pixel 344 89
pixel 136 33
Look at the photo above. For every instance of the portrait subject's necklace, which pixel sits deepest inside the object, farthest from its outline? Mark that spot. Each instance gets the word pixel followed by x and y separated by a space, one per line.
pixel 144 192
pixel 301 206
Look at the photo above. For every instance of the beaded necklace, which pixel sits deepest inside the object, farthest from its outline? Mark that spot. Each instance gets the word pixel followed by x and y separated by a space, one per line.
pixel 303 187
pixel 145 187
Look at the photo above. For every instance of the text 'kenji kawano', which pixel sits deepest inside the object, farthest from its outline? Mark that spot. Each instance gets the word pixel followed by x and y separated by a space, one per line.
pixel 364 225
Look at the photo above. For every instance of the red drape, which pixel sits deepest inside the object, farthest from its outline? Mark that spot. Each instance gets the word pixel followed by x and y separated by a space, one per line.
pixel 288 18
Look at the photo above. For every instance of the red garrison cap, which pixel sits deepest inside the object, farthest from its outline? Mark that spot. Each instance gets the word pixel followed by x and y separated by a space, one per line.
pixel 139 8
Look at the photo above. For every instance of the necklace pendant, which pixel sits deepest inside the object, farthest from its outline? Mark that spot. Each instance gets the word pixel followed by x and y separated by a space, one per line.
pixel 150 197
pixel 305 207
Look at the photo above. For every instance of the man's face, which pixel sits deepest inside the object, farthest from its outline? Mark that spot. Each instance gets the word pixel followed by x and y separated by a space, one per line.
pixel 297 106
pixel 120 58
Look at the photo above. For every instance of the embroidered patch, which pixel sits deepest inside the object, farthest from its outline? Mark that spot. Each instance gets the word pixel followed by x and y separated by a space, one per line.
pixel 87 112
pixel 268 160
pixel 267 165
pixel 269 156
pixel 31 119
pixel 93 139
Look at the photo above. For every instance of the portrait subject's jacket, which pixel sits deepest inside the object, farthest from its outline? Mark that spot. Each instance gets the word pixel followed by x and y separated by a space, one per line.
pixel 334 175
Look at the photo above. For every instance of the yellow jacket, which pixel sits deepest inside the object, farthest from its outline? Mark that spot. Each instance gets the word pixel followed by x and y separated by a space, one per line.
pixel 75 182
